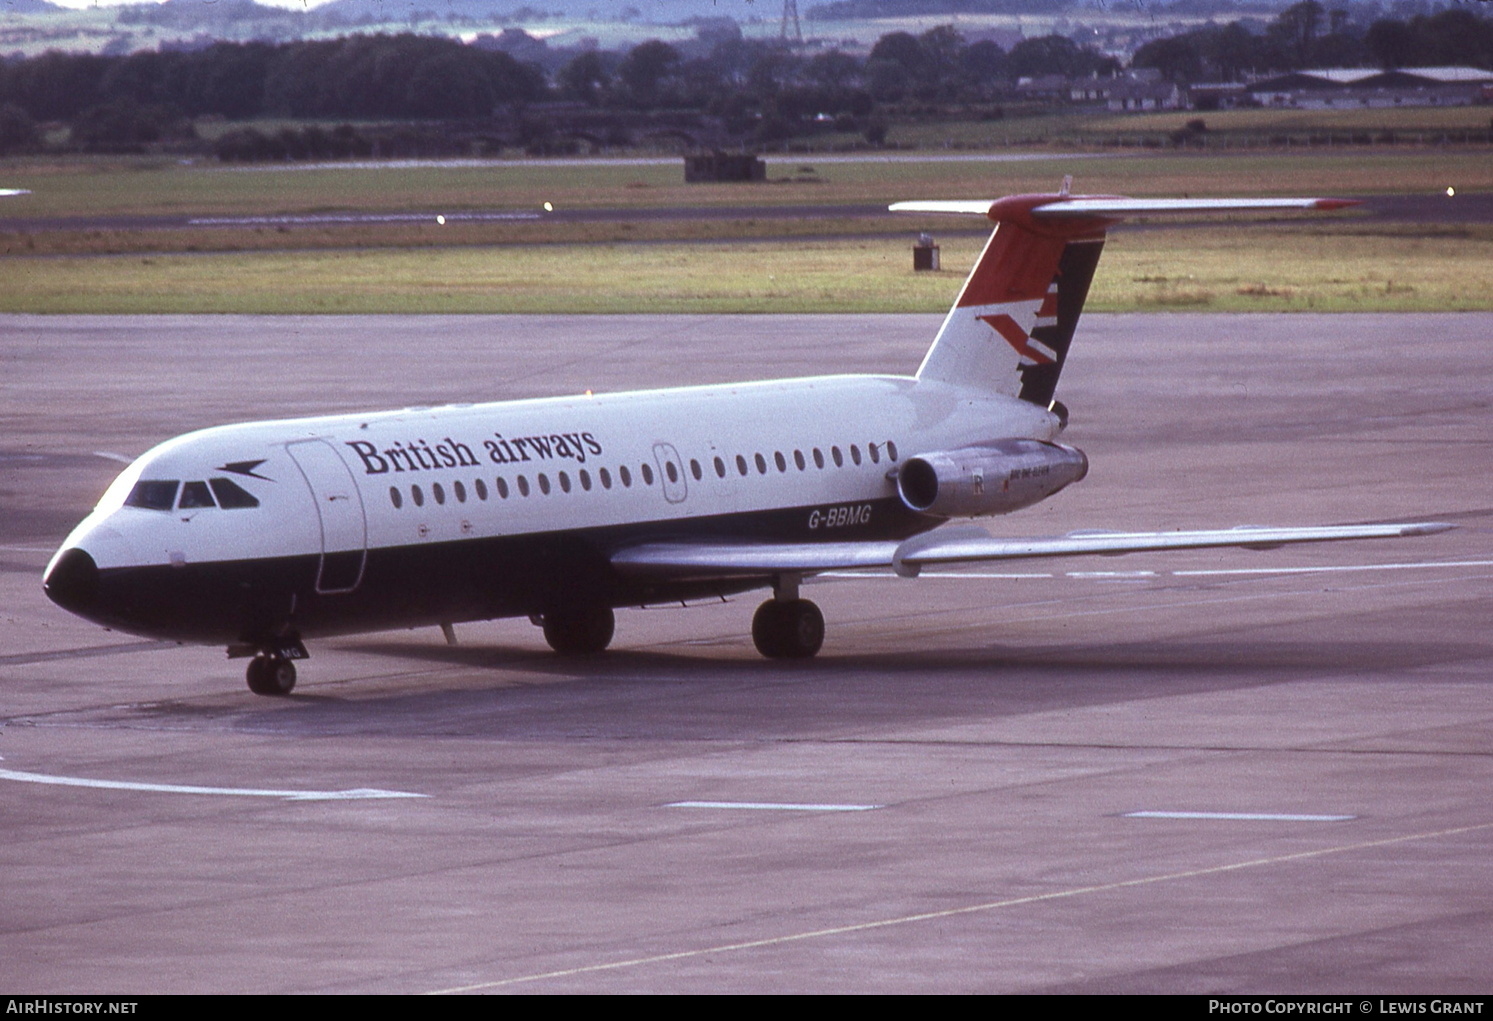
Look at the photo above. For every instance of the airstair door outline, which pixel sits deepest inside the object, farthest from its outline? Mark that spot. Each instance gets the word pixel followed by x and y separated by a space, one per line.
pixel 339 508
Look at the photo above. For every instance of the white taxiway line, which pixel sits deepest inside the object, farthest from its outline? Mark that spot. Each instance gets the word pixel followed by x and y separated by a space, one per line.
pixel 1111 575
pixel 1248 816
pixel 966 909
pixel 171 788
pixel 1341 567
pixel 862 575
pixel 315 218
pixel 769 806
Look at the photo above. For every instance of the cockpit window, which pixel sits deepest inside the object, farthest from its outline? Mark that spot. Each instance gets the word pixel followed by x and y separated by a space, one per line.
pixel 231 495
pixel 153 494
pixel 195 494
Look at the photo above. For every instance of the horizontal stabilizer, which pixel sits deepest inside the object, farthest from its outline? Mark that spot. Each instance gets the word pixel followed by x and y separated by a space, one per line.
pixel 705 560
pixel 1116 206
pixel 972 207
pixel 1106 207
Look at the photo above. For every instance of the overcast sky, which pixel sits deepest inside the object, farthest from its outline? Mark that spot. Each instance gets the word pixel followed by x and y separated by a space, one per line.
pixel 653 10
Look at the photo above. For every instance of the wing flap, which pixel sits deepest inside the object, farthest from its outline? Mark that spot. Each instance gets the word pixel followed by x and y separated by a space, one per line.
pixel 682 561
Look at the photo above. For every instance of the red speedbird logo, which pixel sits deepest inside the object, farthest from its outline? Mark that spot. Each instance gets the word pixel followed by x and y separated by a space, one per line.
pixel 1011 331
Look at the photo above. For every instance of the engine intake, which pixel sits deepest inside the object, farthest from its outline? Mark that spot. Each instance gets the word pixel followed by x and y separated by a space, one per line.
pixel 994 478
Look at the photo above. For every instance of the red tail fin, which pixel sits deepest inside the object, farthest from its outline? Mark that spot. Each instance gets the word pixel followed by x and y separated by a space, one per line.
pixel 1011 327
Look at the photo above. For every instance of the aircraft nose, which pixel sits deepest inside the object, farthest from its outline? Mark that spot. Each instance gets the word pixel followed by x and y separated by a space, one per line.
pixel 72 581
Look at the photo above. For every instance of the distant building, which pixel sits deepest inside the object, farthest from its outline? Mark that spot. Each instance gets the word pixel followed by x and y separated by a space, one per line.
pixel 724 166
pixel 1339 88
pixel 1053 87
pixel 1142 89
pixel 1219 95
pixel 1140 95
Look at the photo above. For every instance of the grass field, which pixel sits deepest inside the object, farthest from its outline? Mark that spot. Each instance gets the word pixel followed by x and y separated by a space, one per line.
pixel 99 187
pixel 835 264
pixel 1247 268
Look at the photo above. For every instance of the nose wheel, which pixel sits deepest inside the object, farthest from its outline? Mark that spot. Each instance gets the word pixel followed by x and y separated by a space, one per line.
pixel 271 675
pixel 788 629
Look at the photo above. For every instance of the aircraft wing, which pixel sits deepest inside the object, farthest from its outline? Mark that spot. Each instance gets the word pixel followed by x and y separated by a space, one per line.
pixel 704 559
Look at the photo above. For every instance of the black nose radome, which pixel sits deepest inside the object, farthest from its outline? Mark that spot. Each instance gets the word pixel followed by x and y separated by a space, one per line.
pixel 72 583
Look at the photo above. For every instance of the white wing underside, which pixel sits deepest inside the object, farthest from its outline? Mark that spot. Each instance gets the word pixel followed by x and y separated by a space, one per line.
pixel 704 560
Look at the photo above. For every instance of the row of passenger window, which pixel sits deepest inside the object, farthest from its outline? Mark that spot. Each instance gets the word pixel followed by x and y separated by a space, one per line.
pixel 874 452
pixel 521 484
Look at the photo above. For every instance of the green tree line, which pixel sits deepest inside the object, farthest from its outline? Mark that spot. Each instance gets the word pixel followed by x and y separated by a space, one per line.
pixel 754 86
pixel 1309 35
pixel 759 90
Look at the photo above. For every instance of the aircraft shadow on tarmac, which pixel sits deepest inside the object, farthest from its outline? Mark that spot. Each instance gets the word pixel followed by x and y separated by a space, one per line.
pixel 653 695
pixel 1232 657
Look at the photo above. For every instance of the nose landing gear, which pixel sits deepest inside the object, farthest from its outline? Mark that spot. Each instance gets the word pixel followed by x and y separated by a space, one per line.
pixel 271 674
pixel 271 670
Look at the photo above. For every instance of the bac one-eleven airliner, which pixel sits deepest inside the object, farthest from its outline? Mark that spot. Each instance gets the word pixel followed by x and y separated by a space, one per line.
pixel 261 535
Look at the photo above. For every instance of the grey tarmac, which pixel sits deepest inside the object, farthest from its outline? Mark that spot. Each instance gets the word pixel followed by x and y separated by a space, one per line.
pixel 944 801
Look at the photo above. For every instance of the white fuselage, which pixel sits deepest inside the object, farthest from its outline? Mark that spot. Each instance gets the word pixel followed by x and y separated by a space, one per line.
pixel 355 499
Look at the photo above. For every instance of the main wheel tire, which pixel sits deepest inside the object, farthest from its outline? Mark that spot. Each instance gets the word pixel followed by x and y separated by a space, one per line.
pixel 788 629
pixel 271 675
pixel 580 630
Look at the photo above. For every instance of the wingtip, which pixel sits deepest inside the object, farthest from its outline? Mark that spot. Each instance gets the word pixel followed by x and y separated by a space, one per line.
pixel 1336 203
pixel 1428 528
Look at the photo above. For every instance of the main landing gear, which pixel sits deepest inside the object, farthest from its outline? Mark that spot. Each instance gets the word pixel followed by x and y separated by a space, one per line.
pixel 271 674
pixel 579 630
pixel 787 627
pixel 784 627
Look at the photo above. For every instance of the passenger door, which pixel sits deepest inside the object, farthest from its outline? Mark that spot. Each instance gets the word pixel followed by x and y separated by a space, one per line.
pixel 344 527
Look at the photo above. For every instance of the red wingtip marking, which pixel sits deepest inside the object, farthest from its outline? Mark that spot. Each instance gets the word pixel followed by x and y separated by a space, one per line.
pixel 1337 203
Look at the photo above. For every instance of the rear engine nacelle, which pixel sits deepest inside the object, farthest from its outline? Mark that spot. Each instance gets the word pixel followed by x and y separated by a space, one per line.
pixel 994 478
